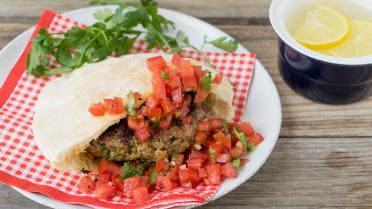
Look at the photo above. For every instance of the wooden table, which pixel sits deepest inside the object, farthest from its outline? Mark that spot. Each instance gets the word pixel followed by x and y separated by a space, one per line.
pixel 323 158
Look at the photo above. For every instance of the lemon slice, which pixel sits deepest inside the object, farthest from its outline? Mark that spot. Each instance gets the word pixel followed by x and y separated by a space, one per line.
pixel 323 28
pixel 358 43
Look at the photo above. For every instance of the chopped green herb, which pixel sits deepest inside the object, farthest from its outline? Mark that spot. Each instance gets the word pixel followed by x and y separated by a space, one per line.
pixel 242 138
pixel 236 163
pixel 206 82
pixel 129 171
pixel 211 152
pixel 164 75
pixel 225 127
pixel 153 176
pixel 155 123
pixel 174 157
pixel 130 104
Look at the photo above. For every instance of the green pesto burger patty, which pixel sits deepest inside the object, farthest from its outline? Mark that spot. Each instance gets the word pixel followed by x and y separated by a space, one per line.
pixel 118 142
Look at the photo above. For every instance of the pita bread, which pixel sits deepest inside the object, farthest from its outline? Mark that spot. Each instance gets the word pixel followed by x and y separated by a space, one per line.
pixel 62 125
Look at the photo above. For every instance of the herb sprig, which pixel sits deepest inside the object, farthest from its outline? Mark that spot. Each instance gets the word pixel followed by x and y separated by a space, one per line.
pixel 113 35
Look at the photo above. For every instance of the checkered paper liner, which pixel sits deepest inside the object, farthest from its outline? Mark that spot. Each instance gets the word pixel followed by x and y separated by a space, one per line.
pixel 23 165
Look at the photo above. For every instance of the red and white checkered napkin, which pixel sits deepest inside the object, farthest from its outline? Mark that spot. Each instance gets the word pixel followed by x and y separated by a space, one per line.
pixel 23 165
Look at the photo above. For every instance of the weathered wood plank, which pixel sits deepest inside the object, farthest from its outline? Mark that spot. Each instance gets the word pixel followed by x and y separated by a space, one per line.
pixel 300 173
pixel 301 117
pixel 207 8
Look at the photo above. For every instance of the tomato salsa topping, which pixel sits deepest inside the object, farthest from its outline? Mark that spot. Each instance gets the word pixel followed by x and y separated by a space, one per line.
pixel 218 146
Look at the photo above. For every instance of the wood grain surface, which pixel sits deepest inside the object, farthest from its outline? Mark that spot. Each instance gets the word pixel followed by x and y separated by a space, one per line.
pixel 323 158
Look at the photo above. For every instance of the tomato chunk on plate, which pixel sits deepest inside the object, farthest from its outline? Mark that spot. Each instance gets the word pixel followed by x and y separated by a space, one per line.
pixel 156 64
pixel 141 195
pixel 104 191
pixel 97 109
pixel 87 185
pixel 105 166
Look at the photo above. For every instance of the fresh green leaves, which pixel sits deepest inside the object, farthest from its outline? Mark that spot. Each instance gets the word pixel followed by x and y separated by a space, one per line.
pixel 225 43
pixel 206 82
pixel 130 104
pixel 113 35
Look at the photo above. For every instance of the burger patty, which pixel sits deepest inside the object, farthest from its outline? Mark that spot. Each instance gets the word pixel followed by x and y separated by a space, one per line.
pixel 118 142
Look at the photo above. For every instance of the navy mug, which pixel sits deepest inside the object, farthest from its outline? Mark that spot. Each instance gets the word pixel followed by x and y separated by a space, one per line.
pixel 318 77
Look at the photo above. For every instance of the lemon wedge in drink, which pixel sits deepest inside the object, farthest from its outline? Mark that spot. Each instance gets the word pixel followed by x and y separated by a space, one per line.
pixel 323 28
pixel 358 43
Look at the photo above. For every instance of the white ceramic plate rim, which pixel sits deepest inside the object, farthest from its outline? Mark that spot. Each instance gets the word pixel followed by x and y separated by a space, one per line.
pixel 263 94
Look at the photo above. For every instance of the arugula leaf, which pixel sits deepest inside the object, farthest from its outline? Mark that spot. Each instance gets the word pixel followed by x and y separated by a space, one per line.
pixel 130 104
pixel 225 43
pixel 153 176
pixel 206 82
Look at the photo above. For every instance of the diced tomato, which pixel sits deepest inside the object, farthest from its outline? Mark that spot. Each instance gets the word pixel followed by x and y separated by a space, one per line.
pixel 256 139
pixel 194 174
pixel 133 123
pixel 237 151
pixel 216 149
pixel 218 78
pixel 201 137
pixel 174 82
pixel 202 172
pixel 228 170
pixel 223 139
pixel 243 161
pixel 183 175
pixel 214 173
pixel 103 178
pixel 166 122
pixel 173 173
pixel 158 86
pixel 177 96
pixel 142 133
pixel 159 182
pixel 118 105
pixel 187 120
pixel 203 125
pixel 198 73
pixel 141 195
pixel 194 163
pixel 169 185
pixel 87 185
pixel 153 113
pixel 130 184
pixel 156 64
pixel 97 109
pixel 187 75
pixel 246 128
pixel 200 96
pixel 105 166
pixel 167 105
pixel 215 123
pixel 177 60
pixel 161 165
pixel 152 101
pixel 104 191
pixel 109 105
pixel 224 158
pixel 115 179
pixel 178 159
pixel 196 154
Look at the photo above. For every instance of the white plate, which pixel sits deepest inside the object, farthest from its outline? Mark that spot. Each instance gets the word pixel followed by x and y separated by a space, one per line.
pixel 263 107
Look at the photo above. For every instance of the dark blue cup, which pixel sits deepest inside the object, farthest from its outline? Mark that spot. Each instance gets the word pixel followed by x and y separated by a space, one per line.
pixel 318 77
